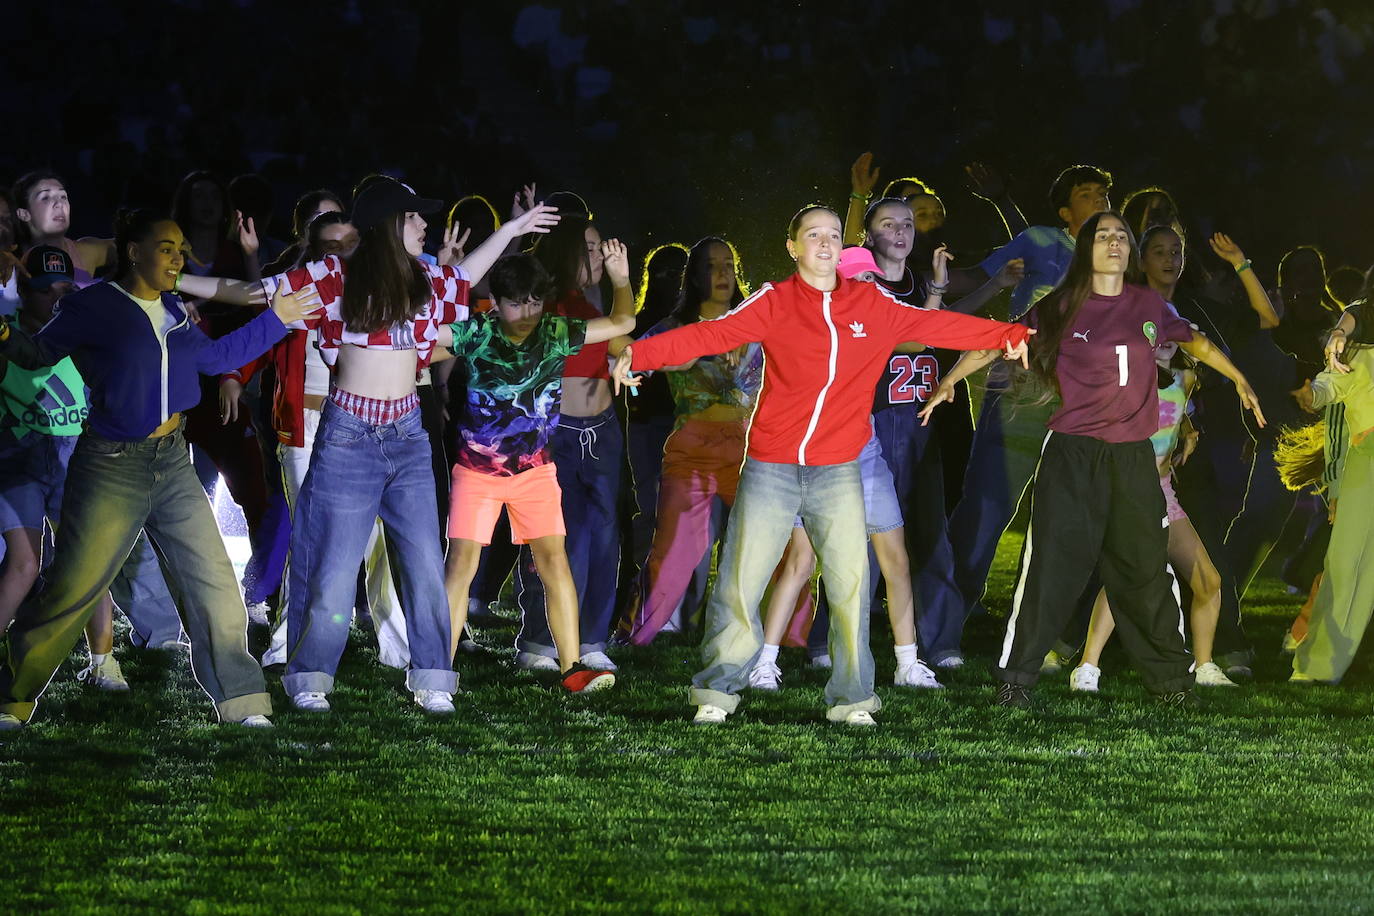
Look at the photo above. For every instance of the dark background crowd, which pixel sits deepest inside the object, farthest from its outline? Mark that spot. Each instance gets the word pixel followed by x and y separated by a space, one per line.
pixel 679 118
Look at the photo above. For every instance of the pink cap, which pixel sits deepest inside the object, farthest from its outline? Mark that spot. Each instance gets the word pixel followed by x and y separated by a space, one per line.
pixel 855 260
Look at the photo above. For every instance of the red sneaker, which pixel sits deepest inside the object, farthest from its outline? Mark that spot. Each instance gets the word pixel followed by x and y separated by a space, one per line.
pixel 581 679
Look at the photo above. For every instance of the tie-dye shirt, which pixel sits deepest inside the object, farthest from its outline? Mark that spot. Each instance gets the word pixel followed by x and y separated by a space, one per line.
pixel 513 391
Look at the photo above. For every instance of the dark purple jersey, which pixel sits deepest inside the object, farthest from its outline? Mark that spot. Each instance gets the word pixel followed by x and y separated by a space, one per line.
pixel 1106 365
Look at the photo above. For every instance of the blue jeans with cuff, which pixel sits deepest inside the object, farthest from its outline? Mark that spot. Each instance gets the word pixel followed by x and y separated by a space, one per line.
pixel 359 471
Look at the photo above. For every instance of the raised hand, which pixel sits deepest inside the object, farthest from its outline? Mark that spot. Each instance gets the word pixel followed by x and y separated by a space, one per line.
pixel 939 264
pixel 248 235
pixel 1226 249
pixel 294 306
pixel 537 219
pixel 523 202
pixel 985 182
pixel 229 391
pixel 451 251
pixel 617 261
pixel 620 372
pixel 862 176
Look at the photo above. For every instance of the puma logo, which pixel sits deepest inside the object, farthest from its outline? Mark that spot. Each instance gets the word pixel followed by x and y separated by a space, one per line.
pixel 1083 335
pixel 858 328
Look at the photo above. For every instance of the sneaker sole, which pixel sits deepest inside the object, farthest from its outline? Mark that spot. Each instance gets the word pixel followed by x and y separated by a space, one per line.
pixel 600 682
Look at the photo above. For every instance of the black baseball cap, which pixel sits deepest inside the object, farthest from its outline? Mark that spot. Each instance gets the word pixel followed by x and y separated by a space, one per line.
pixel 381 197
pixel 46 265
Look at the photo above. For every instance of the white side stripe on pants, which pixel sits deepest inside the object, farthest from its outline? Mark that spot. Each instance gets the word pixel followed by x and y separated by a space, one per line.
pixel 1025 568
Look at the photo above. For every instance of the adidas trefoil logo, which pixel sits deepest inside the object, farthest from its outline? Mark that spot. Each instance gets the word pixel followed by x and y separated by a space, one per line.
pixel 858 328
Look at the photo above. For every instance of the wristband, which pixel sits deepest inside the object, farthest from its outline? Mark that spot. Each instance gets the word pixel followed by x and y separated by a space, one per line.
pixel 863 198
pixel 176 284
pixel 1243 266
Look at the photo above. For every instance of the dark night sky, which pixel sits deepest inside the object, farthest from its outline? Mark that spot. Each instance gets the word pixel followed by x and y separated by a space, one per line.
pixel 678 119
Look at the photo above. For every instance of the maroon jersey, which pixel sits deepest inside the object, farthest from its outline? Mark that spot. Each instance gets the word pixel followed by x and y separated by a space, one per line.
pixel 1106 366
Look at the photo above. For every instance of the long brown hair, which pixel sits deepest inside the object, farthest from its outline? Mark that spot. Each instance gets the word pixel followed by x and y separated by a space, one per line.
pixel 1055 313
pixel 385 283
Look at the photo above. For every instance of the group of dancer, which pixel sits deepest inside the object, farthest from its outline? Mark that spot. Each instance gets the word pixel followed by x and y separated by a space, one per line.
pixel 423 402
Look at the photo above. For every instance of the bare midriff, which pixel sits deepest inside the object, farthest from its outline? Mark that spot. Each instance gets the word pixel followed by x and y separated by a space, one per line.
pixel 387 375
pixel 585 397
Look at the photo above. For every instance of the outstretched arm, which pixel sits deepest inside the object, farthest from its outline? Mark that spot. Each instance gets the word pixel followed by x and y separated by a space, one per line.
pixel 221 289
pixel 538 220
pixel 1010 274
pixel 1204 351
pixel 969 363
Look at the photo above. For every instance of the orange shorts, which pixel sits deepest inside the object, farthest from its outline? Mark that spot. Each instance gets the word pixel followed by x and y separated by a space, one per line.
pixel 532 498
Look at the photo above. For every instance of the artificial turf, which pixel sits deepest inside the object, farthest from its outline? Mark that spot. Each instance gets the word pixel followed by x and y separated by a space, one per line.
pixel 529 800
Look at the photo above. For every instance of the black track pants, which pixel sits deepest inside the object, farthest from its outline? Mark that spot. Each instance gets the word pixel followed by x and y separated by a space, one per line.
pixel 1097 505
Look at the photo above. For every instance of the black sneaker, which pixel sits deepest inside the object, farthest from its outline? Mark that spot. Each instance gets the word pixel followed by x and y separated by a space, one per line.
pixel 1015 696
pixel 1179 699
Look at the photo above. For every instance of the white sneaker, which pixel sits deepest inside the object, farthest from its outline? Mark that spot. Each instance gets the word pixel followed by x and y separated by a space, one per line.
pixel 861 717
pixel 436 701
pixel 310 702
pixel 276 651
pixel 709 715
pixel 916 674
pixel 598 660
pixel 9 723
pixel 1085 678
pixel 950 661
pixel 820 661
pixel 1053 663
pixel 533 661
pixel 257 613
pixel 765 676
pixel 258 721
pixel 105 676
pixel 1209 675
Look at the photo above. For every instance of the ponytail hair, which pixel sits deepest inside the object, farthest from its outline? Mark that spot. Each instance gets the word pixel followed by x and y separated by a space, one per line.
pixel 1301 457
pixel 132 226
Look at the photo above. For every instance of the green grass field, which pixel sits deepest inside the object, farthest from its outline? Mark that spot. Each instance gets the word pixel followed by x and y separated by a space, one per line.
pixel 533 801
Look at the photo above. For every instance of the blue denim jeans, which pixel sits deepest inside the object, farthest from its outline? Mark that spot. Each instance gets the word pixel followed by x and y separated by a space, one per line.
pixel 357 472
pixel 587 452
pixel 115 489
pixel 829 499
pixel 1006 450
pixel 913 453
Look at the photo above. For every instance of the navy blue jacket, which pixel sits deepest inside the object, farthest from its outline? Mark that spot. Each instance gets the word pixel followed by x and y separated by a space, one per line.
pixel 135 385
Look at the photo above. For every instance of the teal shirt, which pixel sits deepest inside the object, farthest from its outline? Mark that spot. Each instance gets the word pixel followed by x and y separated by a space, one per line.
pixel 50 401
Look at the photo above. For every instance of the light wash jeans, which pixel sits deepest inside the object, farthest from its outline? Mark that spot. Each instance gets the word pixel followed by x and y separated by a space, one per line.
pixel 829 499
pixel 358 472
pixel 115 489
pixel 382 599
